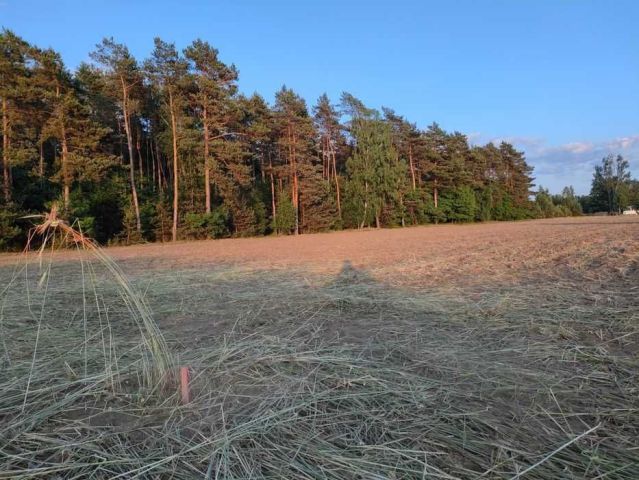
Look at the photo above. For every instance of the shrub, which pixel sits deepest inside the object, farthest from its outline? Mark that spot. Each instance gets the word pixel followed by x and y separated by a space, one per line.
pixel 284 221
pixel 12 236
pixel 460 205
pixel 419 206
pixel 206 225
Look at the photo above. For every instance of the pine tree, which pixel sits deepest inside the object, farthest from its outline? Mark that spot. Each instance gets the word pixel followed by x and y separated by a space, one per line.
pixel 258 126
pixel 435 162
pixel 179 122
pixel 215 84
pixel 406 140
pixel 611 185
pixel 374 171
pixel 77 137
pixel 167 70
pixel 295 132
pixel 13 77
pixel 516 174
pixel 331 143
pixel 124 80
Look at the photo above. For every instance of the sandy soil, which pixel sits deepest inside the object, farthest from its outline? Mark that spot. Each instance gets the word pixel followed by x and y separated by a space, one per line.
pixel 590 247
pixel 485 346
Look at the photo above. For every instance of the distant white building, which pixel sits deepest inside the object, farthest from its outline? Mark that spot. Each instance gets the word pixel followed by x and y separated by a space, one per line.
pixel 630 211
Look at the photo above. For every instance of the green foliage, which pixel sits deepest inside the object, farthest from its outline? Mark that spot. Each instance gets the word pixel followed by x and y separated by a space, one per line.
pixel 569 201
pixel 149 220
pixel 161 218
pixel 352 207
pixel 633 193
pixel 460 205
pixel 544 204
pixel 419 206
pixel 438 214
pixel 175 128
pixel 284 221
pixel 100 210
pixel 504 208
pixel 250 218
pixel 485 205
pixel 206 225
pixel 611 185
pixel 564 205
pixel 12 236
pixel 129 234
pixel 374 171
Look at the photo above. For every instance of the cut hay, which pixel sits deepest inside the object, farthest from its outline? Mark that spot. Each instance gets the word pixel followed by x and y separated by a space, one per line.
pixel 528 382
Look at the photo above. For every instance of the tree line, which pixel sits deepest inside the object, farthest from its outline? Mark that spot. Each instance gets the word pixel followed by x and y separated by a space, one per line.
pixel 168 148
pixel 613 188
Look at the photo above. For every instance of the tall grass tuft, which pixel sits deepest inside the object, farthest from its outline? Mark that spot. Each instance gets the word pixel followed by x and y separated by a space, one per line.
pixel 344 379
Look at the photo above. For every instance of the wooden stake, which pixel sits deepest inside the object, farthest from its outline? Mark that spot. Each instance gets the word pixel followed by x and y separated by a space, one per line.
pixel 184 385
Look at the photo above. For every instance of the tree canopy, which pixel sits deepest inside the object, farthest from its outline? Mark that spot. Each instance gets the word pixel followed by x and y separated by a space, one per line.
pixel 167 148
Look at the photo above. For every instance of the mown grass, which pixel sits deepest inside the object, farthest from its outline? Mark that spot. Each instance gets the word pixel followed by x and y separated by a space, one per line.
pixel 305 376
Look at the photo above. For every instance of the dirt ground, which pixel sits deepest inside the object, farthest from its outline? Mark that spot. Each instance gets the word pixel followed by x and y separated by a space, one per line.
pixel 528 330
pixel 202 289
pixel 593 247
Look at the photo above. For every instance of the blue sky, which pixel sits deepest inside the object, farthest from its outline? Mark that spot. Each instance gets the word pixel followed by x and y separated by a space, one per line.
pixel 558 78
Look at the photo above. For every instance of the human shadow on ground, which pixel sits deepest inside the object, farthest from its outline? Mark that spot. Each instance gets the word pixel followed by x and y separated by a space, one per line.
pixel 513 356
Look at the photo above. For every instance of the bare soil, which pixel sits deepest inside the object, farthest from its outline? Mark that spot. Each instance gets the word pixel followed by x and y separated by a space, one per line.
pixel 487 346
pixel 593 247
pixel 399 278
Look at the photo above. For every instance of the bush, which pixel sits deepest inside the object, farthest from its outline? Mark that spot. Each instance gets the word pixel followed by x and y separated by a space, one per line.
pixel 149 220
pixel 504 209
pixel 130 232
pixel 544 204
pixel 248 215
pixel 419 206
pixel 460 205
pixel 206 225
pixel 12 236
pixel 101 211
pixel 284 221
pixel 485 205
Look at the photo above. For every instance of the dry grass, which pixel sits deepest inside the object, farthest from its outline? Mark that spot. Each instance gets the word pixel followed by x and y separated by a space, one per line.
pixel 328 369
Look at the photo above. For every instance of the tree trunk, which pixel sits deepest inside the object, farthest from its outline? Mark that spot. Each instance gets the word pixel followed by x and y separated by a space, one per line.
pixel 5 152
pixel 158 157
pixel 365 205
pixel 337 192
pixel 273 194
pixel 435 195
pixel 176 191
pixel 66 180
pixel 41 164
pixel 207 170
pixel 327 159
pixel 129 141
pixel 295 187
pixel 296 204
pixel 138 147
pixel 149 149
pixel 412 165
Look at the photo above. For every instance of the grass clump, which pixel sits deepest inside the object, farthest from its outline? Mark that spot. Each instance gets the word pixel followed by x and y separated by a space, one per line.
pixel 531 383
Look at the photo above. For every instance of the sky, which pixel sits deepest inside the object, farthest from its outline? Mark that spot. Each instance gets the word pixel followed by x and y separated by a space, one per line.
pixel 557 78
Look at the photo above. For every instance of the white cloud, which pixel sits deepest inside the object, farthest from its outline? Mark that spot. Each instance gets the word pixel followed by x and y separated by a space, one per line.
pixel 624 143
pixel 577 147
pixel 572 163
pixel 474 137
pixel 530 143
